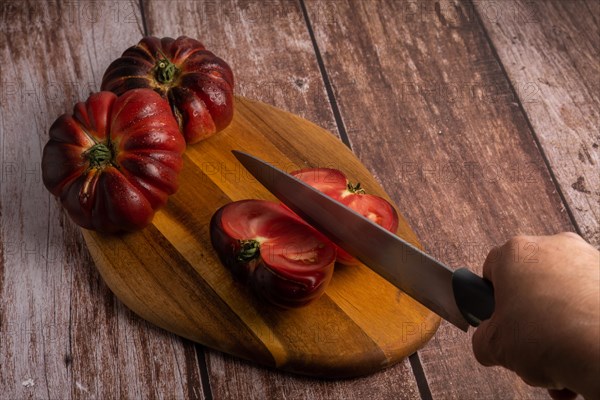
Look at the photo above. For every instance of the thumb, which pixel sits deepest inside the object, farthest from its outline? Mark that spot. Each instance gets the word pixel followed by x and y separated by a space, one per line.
pixel 485 343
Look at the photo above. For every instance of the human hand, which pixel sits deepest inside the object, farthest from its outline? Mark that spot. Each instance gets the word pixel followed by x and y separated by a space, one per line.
pixel 546 324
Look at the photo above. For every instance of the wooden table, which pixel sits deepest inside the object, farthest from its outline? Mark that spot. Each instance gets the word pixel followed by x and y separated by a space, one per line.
pixel 481 121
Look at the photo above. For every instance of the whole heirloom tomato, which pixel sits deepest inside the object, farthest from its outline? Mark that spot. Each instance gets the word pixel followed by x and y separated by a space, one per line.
pixel 198 84
pixel 115 160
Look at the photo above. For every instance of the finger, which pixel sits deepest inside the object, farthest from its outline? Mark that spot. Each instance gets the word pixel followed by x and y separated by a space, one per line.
pixel 491 262
pixel 484 340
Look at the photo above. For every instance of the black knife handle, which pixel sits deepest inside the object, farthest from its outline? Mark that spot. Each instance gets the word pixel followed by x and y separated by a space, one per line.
pixel 474 296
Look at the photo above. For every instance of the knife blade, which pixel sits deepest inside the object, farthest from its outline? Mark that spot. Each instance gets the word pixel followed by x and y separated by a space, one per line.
pixel 460 296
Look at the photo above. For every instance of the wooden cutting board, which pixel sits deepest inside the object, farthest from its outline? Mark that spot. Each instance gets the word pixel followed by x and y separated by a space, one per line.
pixel 169 274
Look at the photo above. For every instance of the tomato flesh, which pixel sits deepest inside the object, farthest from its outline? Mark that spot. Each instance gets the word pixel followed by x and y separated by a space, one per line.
pixel 334 183
pixel 327 180
pixel 281 257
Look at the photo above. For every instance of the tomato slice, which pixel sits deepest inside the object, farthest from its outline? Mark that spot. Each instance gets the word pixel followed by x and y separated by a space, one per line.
pixel 334 183
pixel 375 208
pixel 264 244
pixel 327 180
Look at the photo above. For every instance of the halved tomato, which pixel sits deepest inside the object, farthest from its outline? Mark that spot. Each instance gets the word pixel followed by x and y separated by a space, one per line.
pixel 283 259
pixel 334 183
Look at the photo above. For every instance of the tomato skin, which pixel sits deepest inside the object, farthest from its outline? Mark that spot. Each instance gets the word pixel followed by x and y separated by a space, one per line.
pixel 334 183
pixel 274 273
pixel 199 88
pixel 121 190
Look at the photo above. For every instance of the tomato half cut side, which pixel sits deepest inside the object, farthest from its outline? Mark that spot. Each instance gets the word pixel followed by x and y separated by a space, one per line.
pixel 330 181
pixel 266 246
pixel 334 183
pixel 375 208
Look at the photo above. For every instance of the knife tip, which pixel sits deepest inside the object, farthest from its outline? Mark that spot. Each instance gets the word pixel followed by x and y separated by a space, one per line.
pixel 237 154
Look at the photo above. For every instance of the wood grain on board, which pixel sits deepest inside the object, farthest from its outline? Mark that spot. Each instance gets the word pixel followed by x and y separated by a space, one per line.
pixel 550 51
pixel 454 153
pixel 62 332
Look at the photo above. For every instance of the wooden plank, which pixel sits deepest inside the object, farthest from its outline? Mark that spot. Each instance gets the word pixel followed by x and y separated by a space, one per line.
pixel 550 52
pixel 422 114
pixel 231 377
pixel 270 51
pixel 62 333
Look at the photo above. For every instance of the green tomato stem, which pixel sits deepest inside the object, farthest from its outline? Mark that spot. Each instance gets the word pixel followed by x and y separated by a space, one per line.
pixel 165 70
pixel 356 189
pixel 249 250
pixel 99 155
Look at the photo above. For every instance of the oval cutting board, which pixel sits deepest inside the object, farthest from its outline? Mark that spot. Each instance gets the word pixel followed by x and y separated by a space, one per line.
pixel 169 274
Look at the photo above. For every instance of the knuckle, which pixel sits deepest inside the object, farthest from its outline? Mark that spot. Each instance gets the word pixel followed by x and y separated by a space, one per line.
pixel 518 240
pixel 571 235
pixel 518 243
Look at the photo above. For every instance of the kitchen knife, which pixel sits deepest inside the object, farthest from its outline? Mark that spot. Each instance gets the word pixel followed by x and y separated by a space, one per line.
pixel 460 296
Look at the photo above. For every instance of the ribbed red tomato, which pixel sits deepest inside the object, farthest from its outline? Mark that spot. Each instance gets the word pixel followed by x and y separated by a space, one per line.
pixel 335 184
pixel 197 84
pixel 267 246
pixel 114 161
